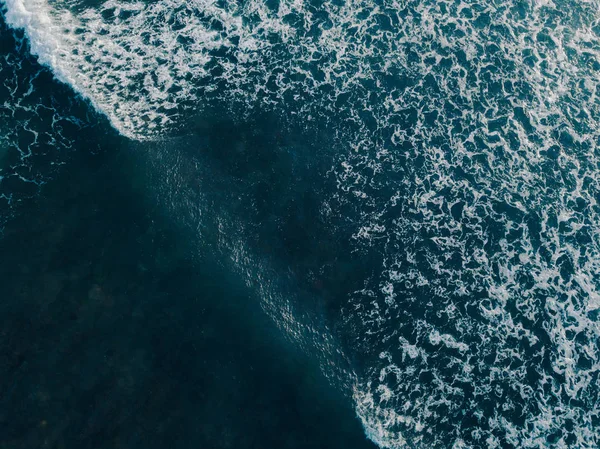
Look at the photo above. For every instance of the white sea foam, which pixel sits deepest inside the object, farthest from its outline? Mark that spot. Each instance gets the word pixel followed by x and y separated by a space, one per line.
pixel 468 164
pixel 132 60
pixel 30 124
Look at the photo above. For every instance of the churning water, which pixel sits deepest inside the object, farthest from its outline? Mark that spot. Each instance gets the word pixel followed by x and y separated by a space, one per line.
pixel 411 187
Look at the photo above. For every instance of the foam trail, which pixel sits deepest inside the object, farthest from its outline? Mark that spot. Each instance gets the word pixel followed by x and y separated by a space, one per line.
pixel 126 58
pixel 47 39
pixel 37 120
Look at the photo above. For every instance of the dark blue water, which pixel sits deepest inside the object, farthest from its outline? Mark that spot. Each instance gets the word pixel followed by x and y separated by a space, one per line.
pixel 300 224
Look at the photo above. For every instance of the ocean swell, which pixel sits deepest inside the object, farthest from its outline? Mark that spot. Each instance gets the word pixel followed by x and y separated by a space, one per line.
pixel 464 171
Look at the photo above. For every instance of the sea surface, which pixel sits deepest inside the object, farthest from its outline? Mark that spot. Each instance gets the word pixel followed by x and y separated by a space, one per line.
pixel 299 223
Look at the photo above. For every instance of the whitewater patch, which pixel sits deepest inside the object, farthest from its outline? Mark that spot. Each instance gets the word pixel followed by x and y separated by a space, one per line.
pixel 134 61
pixel 467 171
pixel 36 130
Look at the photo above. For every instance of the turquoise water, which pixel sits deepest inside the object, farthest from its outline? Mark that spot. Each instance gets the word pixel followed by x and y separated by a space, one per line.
pixel 408 191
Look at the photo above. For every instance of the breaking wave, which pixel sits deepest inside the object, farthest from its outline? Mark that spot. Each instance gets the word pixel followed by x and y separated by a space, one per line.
pixel 465 166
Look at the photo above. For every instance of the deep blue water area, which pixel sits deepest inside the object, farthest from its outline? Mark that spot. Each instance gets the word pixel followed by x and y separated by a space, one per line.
pixel 115 334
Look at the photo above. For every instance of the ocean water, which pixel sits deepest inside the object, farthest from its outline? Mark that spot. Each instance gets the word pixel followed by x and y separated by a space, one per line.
pixel 116 335
pixel 400 196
